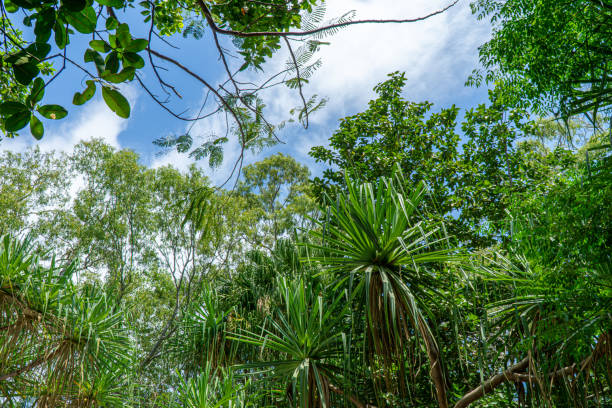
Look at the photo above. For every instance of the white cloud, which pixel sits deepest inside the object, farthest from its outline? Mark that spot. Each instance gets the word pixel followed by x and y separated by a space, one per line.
pixel 437 55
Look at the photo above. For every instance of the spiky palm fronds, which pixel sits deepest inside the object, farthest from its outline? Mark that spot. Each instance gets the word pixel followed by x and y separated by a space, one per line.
pixel 381 250
pixel 212 388
pixel 55 339
pixel 201 340
pixel 304 333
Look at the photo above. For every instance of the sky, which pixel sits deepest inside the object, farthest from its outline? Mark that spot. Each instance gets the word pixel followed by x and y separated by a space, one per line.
pixel 437 56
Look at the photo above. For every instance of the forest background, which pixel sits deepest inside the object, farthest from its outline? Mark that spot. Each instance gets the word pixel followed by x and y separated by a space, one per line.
pixel 438 257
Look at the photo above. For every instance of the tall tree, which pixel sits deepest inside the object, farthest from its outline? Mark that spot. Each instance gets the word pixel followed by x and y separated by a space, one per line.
pixel 277 190
pixel 33 191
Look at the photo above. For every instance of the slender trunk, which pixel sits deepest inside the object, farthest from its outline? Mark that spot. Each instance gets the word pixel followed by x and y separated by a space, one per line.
pixel 435 365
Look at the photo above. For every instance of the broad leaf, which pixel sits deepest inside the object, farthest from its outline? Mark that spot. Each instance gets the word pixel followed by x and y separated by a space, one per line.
pixel 111 23
pixel 38 49
pixel 133 60
pixel 37 92
pixel 17 121
pixel 10 108
pixel 100 46
pixel 24 73
pixel 61 37
pixel 84 21
pixel 112 62
pixel 126 74
pixel 87 94
pixel 74 5
pixel 95 57
pixel 137 45
pixel 44 24
pixel 116 102
pixel 53 111
pixel 36 127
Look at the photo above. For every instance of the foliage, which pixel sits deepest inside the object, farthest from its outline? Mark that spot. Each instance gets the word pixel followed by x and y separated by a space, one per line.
pixel 305 330
pixel 470 185
pixel 168 292
pixel 385 258
pixel 59 342
pixel 553 56
pixel 277 189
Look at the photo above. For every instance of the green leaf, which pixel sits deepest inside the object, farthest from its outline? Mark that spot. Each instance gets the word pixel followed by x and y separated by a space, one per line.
pixel 112 40
pixel 133 59
pixel 37 92
pixel 111 23
pixel 38 49
pixel 74 5
pixel 100 46
pixel 44 24
pixel 84 21
pixel 112 62
pixel 10 108
pixel 26 4
pixel 36 127
pixel 137 45
pixel 95 57
pixel 112 3
pixel 116 102
pixel 24 73
pixel 126 74
pixel 17 121
pixel 87 94
pixel 123 35
pixel 53 111
pixel 61 37
pixel 10 6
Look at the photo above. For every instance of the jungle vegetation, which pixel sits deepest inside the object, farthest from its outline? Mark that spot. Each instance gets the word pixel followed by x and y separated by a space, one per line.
pixel 444 258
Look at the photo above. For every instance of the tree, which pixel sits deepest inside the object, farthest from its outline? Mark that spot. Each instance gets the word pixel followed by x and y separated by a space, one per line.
pixel 305 330
pixel 110 218
pixel 549 55
pixel 277 191
pixel 470 185
pixel 32 191
pixel 115 56
pixel 388 261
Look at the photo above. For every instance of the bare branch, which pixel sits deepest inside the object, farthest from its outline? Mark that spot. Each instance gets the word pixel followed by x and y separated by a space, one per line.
pixel 299 80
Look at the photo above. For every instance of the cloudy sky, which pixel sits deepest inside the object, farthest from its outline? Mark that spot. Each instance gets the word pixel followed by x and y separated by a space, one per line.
pixel 437 55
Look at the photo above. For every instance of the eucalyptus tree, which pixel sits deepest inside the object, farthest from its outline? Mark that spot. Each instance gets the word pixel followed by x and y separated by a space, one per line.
pixel 109 221
pixel 277 191
pixel 33 191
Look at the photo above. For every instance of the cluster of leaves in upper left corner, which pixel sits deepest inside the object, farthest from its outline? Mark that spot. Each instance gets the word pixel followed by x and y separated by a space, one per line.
pixel 23 65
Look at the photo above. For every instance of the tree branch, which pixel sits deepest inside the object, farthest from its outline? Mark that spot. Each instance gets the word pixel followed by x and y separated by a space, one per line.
pixel 209 18
pixel 491 384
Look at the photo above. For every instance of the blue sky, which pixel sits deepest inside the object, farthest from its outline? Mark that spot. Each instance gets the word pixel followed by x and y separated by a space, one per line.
pixel 437 55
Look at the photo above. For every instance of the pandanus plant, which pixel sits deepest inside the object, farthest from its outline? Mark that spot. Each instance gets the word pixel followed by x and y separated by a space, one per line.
pixel 304 334
pixel 378 247
pixel 59 344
